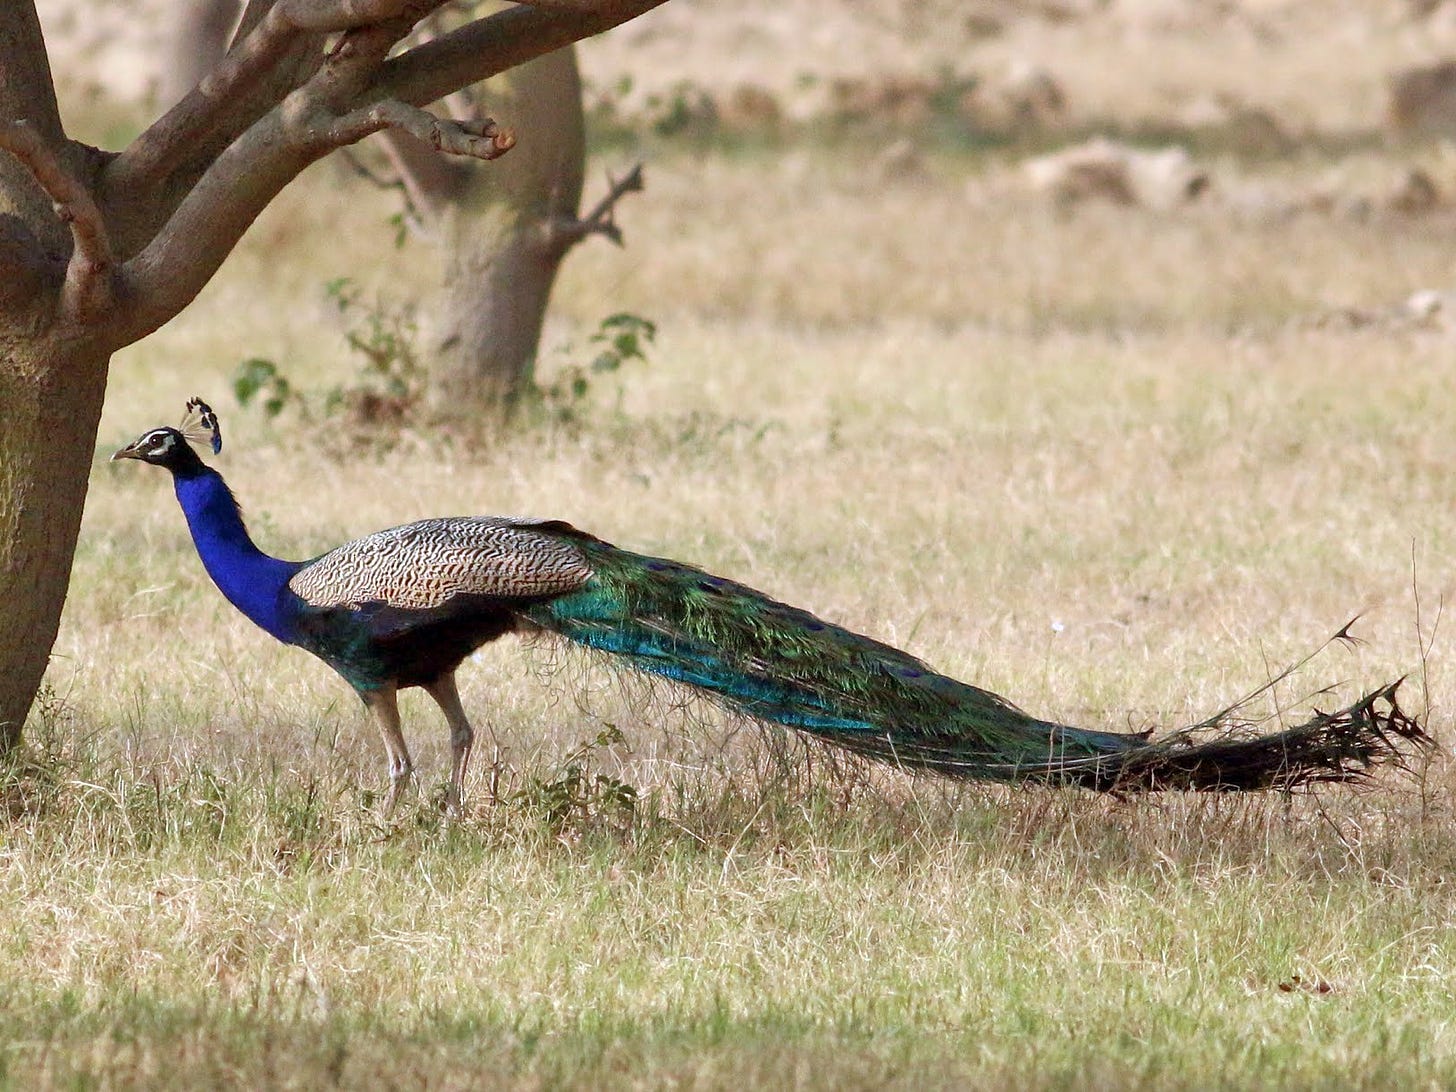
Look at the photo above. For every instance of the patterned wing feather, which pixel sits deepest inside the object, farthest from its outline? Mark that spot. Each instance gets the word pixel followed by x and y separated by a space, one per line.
pixel 422 566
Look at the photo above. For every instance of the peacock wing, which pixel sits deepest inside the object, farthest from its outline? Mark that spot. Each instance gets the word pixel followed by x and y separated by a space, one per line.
pixel 429 568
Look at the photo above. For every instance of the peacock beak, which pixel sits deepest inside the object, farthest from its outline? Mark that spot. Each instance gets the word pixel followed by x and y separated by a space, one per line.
pixel 128 452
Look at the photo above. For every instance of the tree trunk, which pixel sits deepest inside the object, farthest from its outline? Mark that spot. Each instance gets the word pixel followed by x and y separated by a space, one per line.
pixel 199 34
pixel 506 232
pixel 52 399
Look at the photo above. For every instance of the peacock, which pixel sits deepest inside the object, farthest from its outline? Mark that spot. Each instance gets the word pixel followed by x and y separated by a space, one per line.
pixel 405 606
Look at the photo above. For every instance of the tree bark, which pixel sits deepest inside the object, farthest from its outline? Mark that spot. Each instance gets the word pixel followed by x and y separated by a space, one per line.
pixel 52 397
pixel 504 240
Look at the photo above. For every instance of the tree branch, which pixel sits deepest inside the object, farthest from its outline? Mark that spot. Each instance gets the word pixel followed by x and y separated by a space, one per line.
pixel 182 257
pixel 26 87
pixel 329 110
pixel 477 139
pixel 88 289
pixel 340 85
pixel 332 16
pixel 254 12
pixel 288 25
pixel 489 46
pixel 600 220
pixel 199 117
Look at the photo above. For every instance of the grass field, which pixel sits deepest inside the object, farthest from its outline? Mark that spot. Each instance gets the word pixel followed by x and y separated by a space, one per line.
pixel 1119 465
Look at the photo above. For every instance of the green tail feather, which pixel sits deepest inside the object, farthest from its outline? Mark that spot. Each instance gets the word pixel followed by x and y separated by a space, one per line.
pixel 776 663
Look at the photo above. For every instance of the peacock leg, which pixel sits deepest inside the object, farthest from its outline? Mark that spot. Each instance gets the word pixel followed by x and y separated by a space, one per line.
pixel 385 707
pixel 462 736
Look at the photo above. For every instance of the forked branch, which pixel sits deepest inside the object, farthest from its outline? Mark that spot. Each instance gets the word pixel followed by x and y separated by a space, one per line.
pixel 88 288
pixel 481 139
pixel 489 46
pixel 249 66
pixel 222 161
pixel 601 218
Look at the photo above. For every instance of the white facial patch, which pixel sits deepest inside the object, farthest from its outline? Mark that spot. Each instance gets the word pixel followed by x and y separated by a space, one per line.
pixel 160 442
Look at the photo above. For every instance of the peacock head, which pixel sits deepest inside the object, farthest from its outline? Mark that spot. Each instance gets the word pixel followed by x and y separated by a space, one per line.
pixel 170 447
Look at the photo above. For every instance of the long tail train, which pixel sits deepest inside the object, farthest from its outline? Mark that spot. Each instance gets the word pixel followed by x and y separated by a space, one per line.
pixel 777 663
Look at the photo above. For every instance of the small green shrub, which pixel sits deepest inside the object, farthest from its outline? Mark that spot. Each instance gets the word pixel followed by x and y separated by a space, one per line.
pixel 619 338
pixel 576 796
pixel 387 391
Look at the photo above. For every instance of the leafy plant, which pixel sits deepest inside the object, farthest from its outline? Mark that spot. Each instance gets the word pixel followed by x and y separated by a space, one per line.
pixel 576 794
pixel 684 109
pixel 260 379
pixel 619 338
pixel 386 390
pixel 391 381
pixel 626 337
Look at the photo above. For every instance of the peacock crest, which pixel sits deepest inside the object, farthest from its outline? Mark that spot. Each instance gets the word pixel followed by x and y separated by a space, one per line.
pixel 199 425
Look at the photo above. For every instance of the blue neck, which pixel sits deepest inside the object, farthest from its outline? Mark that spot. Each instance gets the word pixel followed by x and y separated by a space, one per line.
pixel 252 581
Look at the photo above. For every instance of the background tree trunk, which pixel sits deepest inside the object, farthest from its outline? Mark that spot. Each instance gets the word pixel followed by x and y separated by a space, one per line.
pixel 199 37
pixel 504 238
pixel 504 233
pixel 52 402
